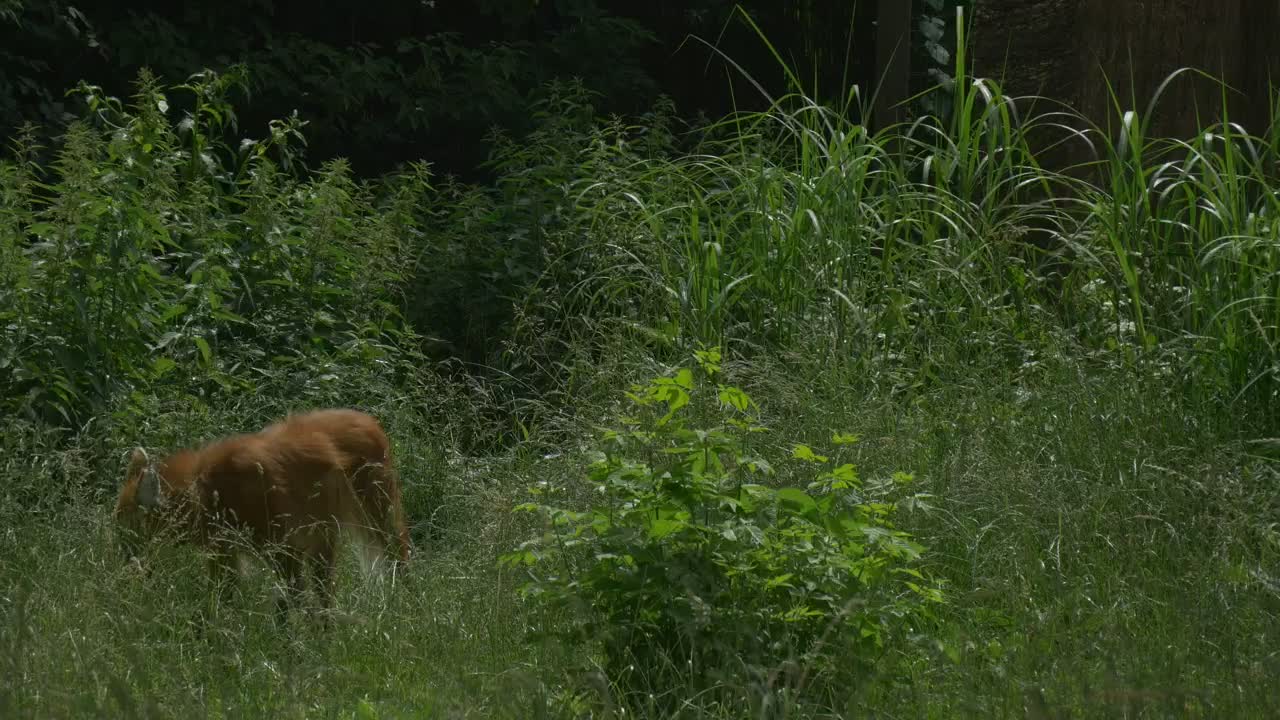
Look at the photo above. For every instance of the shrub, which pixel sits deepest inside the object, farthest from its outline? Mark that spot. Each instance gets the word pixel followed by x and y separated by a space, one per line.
pixel 688 565
pixel 151 252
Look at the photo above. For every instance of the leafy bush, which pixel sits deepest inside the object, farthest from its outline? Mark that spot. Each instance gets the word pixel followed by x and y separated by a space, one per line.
pixel 687 565
pixel 156 252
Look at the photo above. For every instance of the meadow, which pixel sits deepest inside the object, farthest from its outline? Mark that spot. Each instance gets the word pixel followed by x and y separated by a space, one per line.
pixel 765 417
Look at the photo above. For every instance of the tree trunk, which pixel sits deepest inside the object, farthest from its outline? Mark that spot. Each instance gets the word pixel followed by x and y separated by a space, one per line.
pixel 1029 46
pixel 1068 50
pixel 893 60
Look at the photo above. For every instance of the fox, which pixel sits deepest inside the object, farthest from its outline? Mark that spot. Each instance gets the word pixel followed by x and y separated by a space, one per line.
pixel 292 489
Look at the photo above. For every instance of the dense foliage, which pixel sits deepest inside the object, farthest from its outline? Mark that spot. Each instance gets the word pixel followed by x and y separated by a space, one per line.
pixel 386 83
pixel 1079 369
pixel 691 568
pixel 150 251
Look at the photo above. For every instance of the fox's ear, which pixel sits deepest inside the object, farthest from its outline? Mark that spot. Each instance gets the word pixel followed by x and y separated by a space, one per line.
pixel 148 492
pixel 137 461
pixel 149 489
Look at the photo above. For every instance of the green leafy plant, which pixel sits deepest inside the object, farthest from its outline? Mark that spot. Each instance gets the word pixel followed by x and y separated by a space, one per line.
pixel 689 563
pixel 152 251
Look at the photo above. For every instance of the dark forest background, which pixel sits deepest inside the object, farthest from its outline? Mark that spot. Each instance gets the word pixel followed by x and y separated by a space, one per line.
pixel 383 81
pixel 386 82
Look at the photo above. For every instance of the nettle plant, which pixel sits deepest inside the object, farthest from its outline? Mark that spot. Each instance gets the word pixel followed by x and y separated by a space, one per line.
pixel 690 569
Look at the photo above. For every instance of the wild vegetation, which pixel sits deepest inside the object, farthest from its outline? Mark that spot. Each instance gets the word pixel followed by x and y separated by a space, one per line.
pixel 767 416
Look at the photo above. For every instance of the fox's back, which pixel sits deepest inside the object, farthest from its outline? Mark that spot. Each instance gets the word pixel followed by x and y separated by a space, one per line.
pixel 355 437
pixel 304 468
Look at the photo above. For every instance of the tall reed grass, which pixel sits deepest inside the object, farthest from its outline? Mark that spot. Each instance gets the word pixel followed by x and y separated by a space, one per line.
pixel 947 241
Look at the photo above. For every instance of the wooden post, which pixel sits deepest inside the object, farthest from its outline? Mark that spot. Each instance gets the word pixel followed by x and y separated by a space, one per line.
pixel 893 60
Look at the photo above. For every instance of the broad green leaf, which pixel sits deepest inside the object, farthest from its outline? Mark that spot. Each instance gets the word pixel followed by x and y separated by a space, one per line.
pixel 162 365
pixel 205 352
pixel 783 580
pixel 684 378
pixel 799 502
pixel 172 312
pixel 801 613
pixel 734 397
pixel 852 525
pixel 843 477
pixel 806 453
pixel 708 360
pixel 661 528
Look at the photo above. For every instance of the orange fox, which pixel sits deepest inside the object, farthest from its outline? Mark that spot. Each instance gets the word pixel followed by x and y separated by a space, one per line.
pixel 289 488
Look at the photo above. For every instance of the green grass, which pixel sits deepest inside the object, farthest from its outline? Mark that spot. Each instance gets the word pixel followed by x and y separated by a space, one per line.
pixel 86 635
pixel 1098 544
pixel 1104 553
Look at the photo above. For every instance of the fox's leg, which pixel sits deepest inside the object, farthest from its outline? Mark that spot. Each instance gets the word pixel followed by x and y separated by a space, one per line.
pixel 221 564
pixel 323 567
pixel 290 568
pixel 316 567
pixel 381 500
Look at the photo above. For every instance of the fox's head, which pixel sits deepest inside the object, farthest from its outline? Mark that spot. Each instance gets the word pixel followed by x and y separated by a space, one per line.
pixel 142 505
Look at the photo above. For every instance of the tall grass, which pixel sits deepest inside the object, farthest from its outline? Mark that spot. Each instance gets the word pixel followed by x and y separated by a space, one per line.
pixel 949 241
